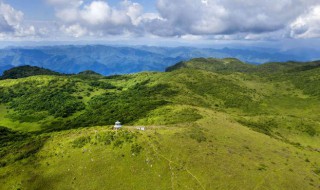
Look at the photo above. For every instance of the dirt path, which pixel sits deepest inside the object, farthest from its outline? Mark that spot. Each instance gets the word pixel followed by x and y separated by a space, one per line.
pixel 170 166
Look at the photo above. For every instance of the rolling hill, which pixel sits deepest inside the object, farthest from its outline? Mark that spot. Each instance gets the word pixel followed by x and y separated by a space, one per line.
pixel 26 71
pixel 110 60
pixel 210 124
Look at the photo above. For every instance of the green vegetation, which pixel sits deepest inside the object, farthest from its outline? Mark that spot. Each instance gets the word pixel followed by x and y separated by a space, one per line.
pixel 197 134
pixel 26 71
pixel 217 65
pixel 15 146
pixel 89 72
pixel 29 100
pixel 264 126
pixel 209 124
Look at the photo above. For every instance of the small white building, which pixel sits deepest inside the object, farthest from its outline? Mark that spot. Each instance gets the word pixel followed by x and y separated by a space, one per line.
pixel 141 128
pixel 117 125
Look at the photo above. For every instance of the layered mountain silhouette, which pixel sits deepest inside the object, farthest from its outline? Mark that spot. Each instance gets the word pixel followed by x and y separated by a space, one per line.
pixel 110 60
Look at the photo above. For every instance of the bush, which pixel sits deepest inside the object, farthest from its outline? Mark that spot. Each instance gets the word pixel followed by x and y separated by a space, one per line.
pixel 103 85
pixel 116 138
pixel 197 134
pixel 81 142
pixel 264 126
pixel 310 130
pixel 106 138
pixel 118 143
pixel 136 149
pixel 317 171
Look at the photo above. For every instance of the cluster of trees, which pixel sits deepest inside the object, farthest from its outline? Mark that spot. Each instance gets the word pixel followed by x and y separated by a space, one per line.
pixel 232 95
pixel 26 71
pixel 33 101
pixel 127 106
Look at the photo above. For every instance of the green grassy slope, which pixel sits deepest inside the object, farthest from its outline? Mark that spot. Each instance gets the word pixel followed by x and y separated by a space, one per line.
pixel 209 126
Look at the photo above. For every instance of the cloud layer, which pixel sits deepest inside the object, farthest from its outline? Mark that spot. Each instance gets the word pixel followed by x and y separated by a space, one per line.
pixel 307 25
pixel 11 23
pixel 186 19
pixel 98 18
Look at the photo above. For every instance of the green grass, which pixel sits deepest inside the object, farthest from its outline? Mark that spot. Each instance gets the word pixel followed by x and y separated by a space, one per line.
pixel 170 157
pixel 210 124
pixel 5 120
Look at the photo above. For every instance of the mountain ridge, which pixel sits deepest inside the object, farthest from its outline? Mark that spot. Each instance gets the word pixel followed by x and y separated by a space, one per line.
pixel 209 64
pixel 110 60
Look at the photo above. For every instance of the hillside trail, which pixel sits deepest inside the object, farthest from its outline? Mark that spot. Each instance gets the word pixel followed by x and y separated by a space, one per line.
pixel 174 163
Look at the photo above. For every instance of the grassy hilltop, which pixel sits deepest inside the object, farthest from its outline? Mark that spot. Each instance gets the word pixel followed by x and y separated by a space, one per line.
pixel 211 124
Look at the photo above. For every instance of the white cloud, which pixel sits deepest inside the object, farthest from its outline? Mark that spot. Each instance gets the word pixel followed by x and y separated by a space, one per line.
pixel 10 18
pixel 307 25
pixel 98 17
pixel 100 13
pixel 74 30
pixel 185 19
pixel 214 17
pixel 11 23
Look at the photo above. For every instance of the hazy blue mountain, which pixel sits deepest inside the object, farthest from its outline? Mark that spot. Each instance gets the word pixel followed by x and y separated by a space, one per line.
pixel 4 68
pixel 110 60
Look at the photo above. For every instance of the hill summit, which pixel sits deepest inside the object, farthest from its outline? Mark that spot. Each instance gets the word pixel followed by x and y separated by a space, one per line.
pixel 213 64
pixel 26 71
pixel 88 72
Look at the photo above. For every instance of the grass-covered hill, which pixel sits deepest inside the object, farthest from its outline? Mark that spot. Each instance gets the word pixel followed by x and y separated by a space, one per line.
pixel 26 71
pixel 210 124
pixel 216 65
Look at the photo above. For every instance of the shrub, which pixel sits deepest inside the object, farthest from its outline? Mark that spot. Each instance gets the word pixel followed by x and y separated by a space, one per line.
pixel 81 142
pixel 136 149
pixel 197 134
pixel 317 171
pixel 103 85
pixel 262 167
pixel 310 130
pixel 118 143
pixel 264 126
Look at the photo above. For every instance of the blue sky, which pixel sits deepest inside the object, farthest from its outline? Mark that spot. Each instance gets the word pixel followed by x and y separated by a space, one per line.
pixel 174 21
pixel 33 9
pixel 41 10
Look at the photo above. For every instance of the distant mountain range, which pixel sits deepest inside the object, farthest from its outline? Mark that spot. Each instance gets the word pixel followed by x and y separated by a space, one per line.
pixel 110 60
